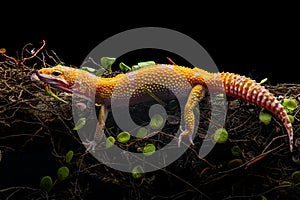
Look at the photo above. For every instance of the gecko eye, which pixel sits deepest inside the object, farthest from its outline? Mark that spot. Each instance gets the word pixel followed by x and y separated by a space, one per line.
pixel 56 73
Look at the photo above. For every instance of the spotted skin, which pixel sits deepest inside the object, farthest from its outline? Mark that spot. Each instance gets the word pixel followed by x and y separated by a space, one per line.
pixel 192 82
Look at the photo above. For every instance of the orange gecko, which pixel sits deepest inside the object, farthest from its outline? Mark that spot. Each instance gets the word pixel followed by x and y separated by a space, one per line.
pixel 157 78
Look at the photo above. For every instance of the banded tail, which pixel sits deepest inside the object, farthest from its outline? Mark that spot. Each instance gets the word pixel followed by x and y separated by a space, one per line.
pixel 249 90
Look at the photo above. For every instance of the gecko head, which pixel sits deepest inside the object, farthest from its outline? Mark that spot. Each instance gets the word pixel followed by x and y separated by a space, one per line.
pixel 65 78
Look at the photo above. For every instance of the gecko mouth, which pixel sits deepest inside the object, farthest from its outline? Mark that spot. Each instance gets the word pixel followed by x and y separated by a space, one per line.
pixel 55 82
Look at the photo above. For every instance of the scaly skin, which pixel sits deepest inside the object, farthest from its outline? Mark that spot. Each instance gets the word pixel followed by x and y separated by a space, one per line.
pixel 182 80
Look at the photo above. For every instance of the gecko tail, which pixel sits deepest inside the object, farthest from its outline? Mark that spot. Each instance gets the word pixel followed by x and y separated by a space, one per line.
pixel 249 90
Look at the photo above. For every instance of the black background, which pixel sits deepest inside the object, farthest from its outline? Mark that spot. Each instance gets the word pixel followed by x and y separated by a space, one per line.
pixel 257 41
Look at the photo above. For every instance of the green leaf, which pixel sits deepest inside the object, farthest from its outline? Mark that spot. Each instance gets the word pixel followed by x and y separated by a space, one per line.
pixel 296 177
pixel 100 72
pixel 137 172
pixel 146 63
pixel 234 163
pixel 124 67
pixel 265 117
pixel 157 121
pixel 46 183
pixel 149 149
pixel 292 119
pixel 285 187
pixel 80 123
pixel 236 151
pixel 135 67
pixel 62 173
pixel 110 141
pixel 106 62
pixel 88 69
pixel 142 132
pixel 172 105
pixel 123 137
pixel 289 104
pixel 220 136
pixel 69 156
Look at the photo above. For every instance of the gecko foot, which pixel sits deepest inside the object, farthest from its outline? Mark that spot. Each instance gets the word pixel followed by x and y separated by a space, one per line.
pixel 185 133
pixel 90 145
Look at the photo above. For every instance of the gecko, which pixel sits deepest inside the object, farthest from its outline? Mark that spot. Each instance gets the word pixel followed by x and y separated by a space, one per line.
pixel 84 84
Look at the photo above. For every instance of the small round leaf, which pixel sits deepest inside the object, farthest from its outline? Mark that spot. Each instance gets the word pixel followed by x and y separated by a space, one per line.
pixel 292 119
pixel 296 177
pixel 62 173
pixel 46 183
pixel 156 122
pixel 137 172
pixel 290 104
pixel 234 163
pixel 265 117
pixel 110 141
pixel 123 137
pixel 142 133
pixel 236 151
pixel 149 149
pixel 220 135
pixel 69 156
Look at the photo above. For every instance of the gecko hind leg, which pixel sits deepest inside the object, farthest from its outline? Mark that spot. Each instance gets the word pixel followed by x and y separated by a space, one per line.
pixel 195 96
pixel 99 132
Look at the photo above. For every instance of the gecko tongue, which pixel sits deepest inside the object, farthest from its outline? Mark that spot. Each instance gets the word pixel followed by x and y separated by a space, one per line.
pixel 58 83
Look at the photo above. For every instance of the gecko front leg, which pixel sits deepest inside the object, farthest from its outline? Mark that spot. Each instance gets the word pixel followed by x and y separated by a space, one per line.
pixel 99 132
pixel 195 96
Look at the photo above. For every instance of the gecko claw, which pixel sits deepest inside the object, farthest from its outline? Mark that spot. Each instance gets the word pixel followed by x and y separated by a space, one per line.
pixel 90 145
pixel 191 139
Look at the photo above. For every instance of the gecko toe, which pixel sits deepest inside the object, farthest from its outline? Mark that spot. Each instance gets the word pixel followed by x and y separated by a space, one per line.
pixel 90 145
pixel 185 133
pixel 191 139
pixel 179 140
